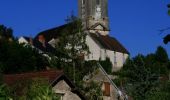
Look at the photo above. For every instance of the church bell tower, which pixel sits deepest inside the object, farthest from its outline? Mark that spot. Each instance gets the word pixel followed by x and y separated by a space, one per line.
pixel 94 15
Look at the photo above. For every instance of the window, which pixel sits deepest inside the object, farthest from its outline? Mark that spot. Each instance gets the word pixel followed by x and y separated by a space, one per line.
pixel 83 2
pixel 106 91
pixel 98 2
pixel 60 95
pixel 115 59
pixel 123 57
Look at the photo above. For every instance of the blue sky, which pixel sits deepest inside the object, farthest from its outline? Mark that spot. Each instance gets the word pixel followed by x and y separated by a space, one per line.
pixel 135 23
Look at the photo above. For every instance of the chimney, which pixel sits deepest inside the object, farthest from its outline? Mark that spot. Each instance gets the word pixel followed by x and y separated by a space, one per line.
pixel 31 41
pixel 42 40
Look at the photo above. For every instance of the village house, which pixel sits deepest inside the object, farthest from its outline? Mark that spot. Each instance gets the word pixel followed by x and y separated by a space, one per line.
pixel 95 21
pixel 61 85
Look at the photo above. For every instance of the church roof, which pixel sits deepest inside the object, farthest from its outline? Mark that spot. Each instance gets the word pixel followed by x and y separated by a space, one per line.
pixel 57 31
pixel 95 25
pixel 47 48
pixel 109 43
pixel 52 33
pixel 106 42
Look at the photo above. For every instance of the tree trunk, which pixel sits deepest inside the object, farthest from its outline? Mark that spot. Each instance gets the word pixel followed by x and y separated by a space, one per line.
pixel 74 74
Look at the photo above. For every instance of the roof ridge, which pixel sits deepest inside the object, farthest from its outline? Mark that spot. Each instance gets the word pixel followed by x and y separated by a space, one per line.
pixel 44 71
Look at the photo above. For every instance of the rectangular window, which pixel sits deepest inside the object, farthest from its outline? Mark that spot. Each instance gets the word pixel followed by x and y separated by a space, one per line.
pixel 115 59
pixel 98 2
pixel 123 58
pixel 83 2
pixel 106 91
pixel 60 95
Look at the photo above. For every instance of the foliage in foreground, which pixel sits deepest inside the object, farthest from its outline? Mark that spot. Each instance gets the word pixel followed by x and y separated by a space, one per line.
pixel 107 65
pixel 140 76
pixel 36 89
pixel 18 58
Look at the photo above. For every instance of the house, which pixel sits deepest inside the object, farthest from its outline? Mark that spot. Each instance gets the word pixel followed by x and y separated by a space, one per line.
pixel 61 85
pixel 109 90
pixel 24 40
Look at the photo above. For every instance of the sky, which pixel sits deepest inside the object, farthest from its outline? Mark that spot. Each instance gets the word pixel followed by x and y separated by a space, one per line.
pixel 135 23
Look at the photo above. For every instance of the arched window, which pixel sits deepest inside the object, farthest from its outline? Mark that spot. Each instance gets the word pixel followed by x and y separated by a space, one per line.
pixel 83 2
pixel 98 2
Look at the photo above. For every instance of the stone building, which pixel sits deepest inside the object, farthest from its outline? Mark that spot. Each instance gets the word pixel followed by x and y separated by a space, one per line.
pixel 94 16
pixel 61 85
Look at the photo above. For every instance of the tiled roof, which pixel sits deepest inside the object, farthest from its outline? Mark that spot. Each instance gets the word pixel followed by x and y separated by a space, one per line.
pixel 50 75
pixel 48 48
pixel 51 33
pixel 109 43
pixel 55 32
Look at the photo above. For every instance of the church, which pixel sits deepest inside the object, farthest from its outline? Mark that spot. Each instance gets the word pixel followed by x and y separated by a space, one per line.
pixel 95 20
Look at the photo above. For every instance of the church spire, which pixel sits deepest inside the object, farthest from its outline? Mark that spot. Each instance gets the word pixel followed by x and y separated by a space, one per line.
pixel 94 13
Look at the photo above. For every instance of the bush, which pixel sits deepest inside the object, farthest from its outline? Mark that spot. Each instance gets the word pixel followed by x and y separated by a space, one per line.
pixel 107 65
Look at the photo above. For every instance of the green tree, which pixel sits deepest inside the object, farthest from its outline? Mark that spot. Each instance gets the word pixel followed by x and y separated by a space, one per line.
pixel 6 33
pixel 140 76
pixel 137 78
pixel 93 91
pixel 39 89
pixel 17 58
pixel 72 46
pixel 162 92
pixel 4 92
pixel 161 55
pixel 32 89
pixel 107 65
pixel 166 39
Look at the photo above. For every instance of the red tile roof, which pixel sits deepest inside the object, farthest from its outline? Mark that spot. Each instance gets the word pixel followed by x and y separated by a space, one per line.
pixel 50 75
pixel 53 76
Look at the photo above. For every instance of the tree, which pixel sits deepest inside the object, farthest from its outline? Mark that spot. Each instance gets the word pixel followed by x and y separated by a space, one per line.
pixel 137 78
pixel 161 55
pixel 168 9
pixel 93 91
pixel 39 89
pixel 4 92
pixel 72 44
pixel 140 76
pixel 32 89
pixel 107 65
pixel 166 39
pixel 162 92
pixel 17 58
pixel 6 33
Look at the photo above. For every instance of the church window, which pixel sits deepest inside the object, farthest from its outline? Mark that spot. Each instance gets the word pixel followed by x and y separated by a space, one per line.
pixel 98 2
pixel 83 2
pixel 115 59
